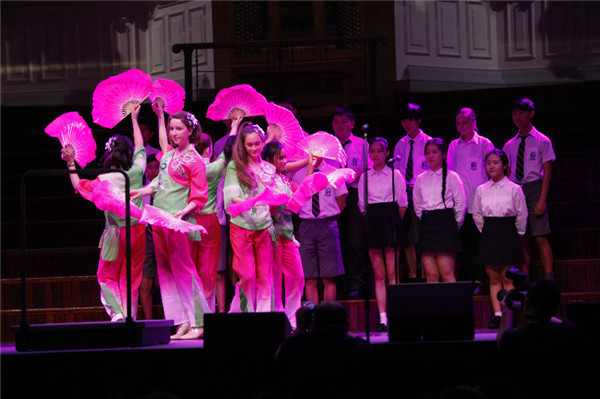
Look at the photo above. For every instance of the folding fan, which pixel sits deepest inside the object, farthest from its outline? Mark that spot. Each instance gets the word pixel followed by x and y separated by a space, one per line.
pixel 107 197
pixel 324 145
pixel 283 125
pixel 236 101
pixel 170 93
pixel 270 196
pixel 115 97
pixel 312 184
pixel 341 176
pixel 71 129
pixel 159 217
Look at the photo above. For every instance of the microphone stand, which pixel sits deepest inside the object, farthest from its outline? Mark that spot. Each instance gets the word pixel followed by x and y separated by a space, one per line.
pixel 367 282
pixel 395 229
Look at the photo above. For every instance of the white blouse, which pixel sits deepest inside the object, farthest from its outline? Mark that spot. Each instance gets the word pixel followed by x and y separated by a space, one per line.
pixel 502 199
pixel 380 188
pixel 427 194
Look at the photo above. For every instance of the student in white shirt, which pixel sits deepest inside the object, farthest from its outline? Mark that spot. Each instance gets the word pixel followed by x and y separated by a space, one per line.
pixel 410 155
pixel 387 205
pixel 466 156
pixel 500 213
pixel 440 203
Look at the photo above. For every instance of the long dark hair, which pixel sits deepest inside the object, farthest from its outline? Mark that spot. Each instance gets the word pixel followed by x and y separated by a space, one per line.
pixel 240 155
pixel 118 153
pixel 441 145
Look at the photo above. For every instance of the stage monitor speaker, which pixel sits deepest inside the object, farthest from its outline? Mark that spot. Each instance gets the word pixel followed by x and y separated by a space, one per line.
pixel 243 332
pixel 430 311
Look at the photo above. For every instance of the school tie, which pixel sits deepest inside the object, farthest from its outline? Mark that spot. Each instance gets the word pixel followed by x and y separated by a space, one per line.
pixel 409 163
pixel 316 206
pixel 520 155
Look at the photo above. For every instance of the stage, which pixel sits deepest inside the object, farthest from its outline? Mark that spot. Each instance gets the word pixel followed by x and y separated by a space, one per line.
pixel 189 370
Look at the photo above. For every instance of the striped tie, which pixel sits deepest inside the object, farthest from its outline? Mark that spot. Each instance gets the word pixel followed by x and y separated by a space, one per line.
pixel 316 206
pixel 409 164
pixel 520 155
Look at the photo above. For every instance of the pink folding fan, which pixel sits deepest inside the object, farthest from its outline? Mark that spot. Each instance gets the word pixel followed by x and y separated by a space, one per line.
pixel 115 97
pixel 170 93
pixel 236 101
pixel 283 126
pixel 107 197
pixel 159 217
pixel 324 145
pixel 270 196
pixel 71 129
pixel 312 184
pixel 341 176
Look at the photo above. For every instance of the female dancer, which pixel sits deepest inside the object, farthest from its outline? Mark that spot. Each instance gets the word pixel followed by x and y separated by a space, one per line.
pixel 205 251
pixel 180 189
pixel 466 156
pixel 387 206
pixel 112 270
pixel 500 213
pixel 250 237
pixel 440 203
pixel 286 257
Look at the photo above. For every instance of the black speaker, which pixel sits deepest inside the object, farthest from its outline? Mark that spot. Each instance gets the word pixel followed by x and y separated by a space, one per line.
pixel 235 332
pixel 430 311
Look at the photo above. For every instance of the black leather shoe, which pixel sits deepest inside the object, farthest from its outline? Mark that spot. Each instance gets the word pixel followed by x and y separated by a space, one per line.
pixel 381 328
pixel 494 324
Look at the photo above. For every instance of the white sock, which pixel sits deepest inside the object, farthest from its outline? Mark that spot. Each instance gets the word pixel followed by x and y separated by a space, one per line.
pixel 498 314
pixel 383 318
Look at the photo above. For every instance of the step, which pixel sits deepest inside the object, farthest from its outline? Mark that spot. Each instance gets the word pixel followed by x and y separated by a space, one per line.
pixel 53 233
pixel 51 262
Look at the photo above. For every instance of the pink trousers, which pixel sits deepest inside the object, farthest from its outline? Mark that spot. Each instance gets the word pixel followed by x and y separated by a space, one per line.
pixel 180 286
pixel 112 275
pixel 287 263
pixel 205 255
pixel 252 261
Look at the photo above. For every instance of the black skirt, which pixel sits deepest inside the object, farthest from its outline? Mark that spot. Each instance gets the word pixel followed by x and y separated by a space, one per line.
pixel 438 232
pixel 499 244
pixel 384 226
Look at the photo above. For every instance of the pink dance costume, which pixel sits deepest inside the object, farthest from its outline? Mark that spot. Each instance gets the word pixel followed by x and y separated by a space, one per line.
pixel 112 267
pixel 287 261
pixel 206 250
pixel 252 236
pixel 181 180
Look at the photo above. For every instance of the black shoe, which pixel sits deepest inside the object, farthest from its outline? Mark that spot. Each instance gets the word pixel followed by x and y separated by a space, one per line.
pixel 381 328
pixel 494 324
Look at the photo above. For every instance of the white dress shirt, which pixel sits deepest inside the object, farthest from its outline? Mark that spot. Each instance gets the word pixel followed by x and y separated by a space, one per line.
pixel 355 151
pixel 501 199
pixel 402 150
pixel 327 197
pixel 380 188
pixel 538 149
pixel 427 194
pixel 468 160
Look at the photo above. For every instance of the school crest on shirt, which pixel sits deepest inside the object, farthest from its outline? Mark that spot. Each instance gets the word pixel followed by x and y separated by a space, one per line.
pixel 473 165
pixel 533 156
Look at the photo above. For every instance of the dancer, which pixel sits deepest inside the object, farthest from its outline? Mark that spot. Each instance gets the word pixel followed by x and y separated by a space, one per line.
pixel 409 150
pixel 466 156
pixel 440 204
pixel 500 213
pixel 319 233
pixel 387 205
pixel 112 267
pixel 286 255
pixel 180 189
pixel 249 231
pixel 531 154
pixel 206 248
